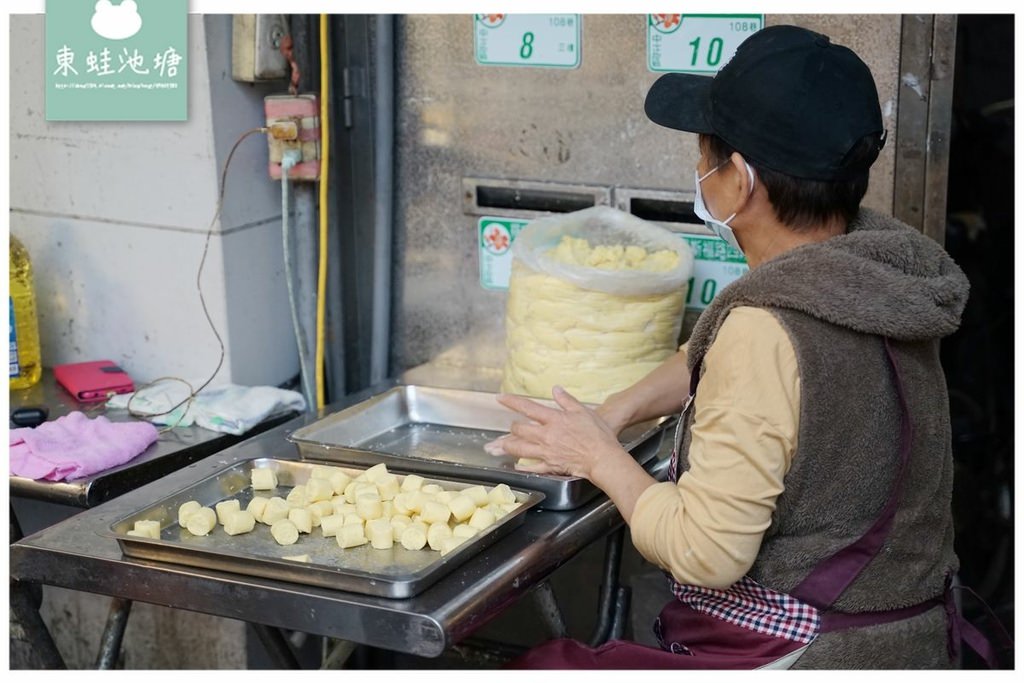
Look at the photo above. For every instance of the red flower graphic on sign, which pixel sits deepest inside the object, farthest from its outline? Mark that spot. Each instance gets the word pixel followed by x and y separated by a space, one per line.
pixel 491 20
pixel 498 239
pixel 667 21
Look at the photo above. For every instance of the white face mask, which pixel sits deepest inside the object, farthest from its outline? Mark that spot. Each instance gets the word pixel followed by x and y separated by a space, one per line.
pixel 720 228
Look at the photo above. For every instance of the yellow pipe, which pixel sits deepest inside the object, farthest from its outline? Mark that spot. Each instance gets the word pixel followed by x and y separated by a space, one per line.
pixel 325 159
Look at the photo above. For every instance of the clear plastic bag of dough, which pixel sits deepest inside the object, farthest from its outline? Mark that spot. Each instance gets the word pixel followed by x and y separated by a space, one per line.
pixel 595 303
pixel 606 250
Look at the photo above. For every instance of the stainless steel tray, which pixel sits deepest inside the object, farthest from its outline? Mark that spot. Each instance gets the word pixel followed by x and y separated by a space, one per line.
pixel 393 573
pixel 442 432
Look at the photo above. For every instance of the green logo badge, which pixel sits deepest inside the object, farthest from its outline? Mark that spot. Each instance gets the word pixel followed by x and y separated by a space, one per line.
pixel 116 60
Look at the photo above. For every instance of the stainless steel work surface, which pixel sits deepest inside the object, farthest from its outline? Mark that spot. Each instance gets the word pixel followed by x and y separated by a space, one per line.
pixel 442 431
pixel 77 554
pixel 394 572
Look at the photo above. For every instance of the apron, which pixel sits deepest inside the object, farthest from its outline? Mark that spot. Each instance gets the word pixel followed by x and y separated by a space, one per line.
pixel 749 626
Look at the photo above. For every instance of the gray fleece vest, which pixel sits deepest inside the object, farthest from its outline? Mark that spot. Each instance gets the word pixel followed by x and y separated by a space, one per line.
pixel 835 300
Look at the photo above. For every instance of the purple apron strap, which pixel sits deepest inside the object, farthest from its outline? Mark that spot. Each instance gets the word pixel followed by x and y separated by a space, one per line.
pixel 961 629
pixel 832 576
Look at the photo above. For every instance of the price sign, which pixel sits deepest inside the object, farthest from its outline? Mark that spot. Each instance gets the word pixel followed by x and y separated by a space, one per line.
pixel 715 265
pixel 496 237
pixel 543 40
pixel 696 43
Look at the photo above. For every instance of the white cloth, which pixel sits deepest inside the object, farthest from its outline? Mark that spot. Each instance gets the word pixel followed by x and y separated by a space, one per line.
pixel 228 408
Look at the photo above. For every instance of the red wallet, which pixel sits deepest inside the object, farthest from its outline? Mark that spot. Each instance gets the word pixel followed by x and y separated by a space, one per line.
pixel 93 381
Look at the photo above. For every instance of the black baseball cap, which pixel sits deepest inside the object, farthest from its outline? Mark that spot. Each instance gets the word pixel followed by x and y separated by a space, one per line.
pixel 789 100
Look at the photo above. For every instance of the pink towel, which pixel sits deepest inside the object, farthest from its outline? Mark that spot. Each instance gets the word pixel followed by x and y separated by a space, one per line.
pixel 74 446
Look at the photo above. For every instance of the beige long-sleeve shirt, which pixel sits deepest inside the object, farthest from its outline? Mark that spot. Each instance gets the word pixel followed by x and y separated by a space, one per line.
pixel 707 528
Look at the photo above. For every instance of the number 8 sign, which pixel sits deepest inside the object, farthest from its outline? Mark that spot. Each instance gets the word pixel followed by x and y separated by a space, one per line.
pixel 538 40
pixel 696 43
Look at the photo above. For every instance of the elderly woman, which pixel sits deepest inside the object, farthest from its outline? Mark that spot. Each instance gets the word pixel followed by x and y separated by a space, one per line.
pixel 807 521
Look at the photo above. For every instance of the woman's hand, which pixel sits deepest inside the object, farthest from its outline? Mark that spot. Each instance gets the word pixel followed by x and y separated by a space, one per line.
pixel 570 440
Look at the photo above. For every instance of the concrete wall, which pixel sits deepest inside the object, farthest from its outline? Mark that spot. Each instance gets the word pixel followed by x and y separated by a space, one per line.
pixel 115 217
pixel 459 119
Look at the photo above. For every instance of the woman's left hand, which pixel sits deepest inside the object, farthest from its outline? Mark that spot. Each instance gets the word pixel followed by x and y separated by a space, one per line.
pixel 568 441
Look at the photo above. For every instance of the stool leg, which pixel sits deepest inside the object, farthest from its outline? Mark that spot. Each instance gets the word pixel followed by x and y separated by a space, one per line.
pixel 550 612
pixel 609 588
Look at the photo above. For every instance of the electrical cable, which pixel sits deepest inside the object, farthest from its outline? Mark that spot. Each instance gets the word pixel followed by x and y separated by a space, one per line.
pixel 325 165
pixel 202 299
pixel 300 337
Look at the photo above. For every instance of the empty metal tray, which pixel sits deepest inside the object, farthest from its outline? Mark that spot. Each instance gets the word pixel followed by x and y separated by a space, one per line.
pixel 392 573
pixel 442 432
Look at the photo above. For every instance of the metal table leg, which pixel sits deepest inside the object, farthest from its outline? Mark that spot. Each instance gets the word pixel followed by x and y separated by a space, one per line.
pixel 277 646
pixel 31 645
pixel 113 634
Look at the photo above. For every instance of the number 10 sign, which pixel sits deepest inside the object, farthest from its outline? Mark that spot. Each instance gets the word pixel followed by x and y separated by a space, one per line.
pixel 696 43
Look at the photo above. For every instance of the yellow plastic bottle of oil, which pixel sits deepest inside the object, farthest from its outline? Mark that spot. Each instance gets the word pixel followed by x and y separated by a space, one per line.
pixel 26 360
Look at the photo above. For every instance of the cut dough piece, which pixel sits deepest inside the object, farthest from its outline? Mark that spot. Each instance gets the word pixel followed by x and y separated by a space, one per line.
pixel 477 494
pixel 263 479
pixel 302 520
pixel 369 508
pixel 495 510
pixel 376 472
pixel 318 489
pixel 350 491
pixel 276 509
pixel 465 531
pixel 413 538
pixel 339 480
pixel 296 558
pixel 239 522
pixel 412 482
pixel 201 522
pixel 380 533
pixel 398 526
pixel 445 496
pixel 331 525
pixel 284 532
pixel 451 543
pixel 511 507
pixel 431 488
pixel 462 507
pixel 343 508
pixel 387 486
pixel 298 496
pixel 435 513
pixel 256 507
pixel 354 518
pixel 317 511
pixel 140 534
pixel 148 527
pixel 501 494
pixel 437 533
pixel 482 519
pixel 186 510
pixel 351 536
pixel 226 508
pixel 322 472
